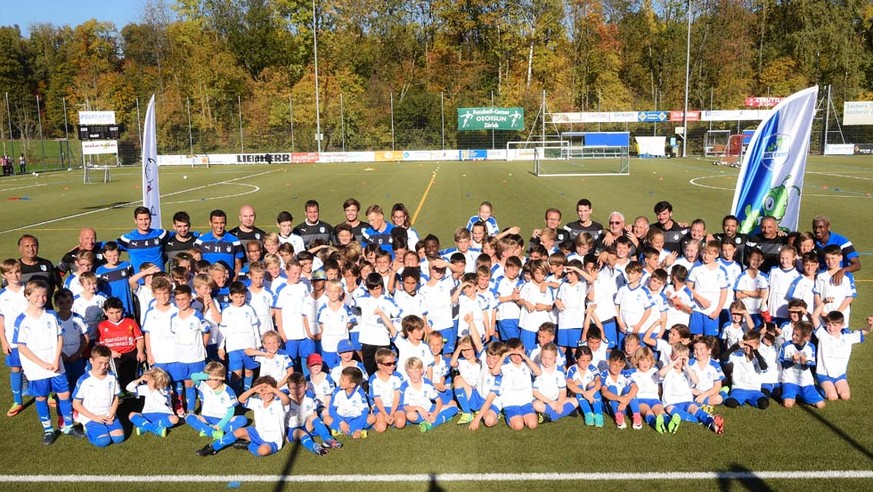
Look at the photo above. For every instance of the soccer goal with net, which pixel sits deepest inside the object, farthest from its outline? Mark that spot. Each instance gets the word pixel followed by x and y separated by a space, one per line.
pixel 584 160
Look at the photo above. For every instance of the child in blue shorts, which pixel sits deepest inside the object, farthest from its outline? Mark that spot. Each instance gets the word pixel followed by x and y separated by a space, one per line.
pixel 349 407
pixel 240 330
pixel 484 398
pixel 583 379
pixel 157 416
pixel 798 357
pixel 267 434
pixel 421 401
pixel 746 367
pixel 217 404
pixel 618 390
pixel 39 339
pixel 96 401
pixel 302 419
pixel 516 387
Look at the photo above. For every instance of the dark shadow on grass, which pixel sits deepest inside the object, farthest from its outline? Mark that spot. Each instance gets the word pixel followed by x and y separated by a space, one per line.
pixel 289 465
pixel 746 478
pixel 105 205
pixel 432 485
pixel 839 432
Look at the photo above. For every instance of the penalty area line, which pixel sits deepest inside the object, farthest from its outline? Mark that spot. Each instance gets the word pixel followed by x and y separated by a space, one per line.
pixel 452 477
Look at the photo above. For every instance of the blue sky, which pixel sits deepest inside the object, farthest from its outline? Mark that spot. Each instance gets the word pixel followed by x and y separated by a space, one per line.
pixel 71 12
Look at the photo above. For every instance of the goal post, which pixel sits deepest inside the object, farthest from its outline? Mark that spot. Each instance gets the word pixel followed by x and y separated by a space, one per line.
pixel 582 160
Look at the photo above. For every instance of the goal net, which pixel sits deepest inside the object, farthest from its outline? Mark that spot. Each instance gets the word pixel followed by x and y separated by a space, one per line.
pixel 524 150
pixel 715 142
pixel 583 160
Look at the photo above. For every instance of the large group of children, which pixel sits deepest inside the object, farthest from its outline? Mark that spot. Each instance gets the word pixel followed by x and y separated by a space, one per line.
pixel 325 332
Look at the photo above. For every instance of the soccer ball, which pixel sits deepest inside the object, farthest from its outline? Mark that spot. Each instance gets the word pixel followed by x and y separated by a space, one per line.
pixel 185 177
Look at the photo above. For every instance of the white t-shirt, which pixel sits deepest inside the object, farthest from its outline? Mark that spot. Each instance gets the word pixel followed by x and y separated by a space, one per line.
pixel 298 413
pixel 12 303
pixel 708 283
pixel 189 337
pixel 438 299
pixel 796 373
pixel 836 294
pixel 780 281
pixel 532 293
pixel 73 329
pixel 676 388
pixel 290 300
pixel 384 389
pixel 503 287
pixel 834 351
pixel 262 303
pixel 551 383
pixel 269 420
pixel 372 329
pixel 407 350
pixel 239 328
pixel 422 396
pixel 516 387
pixel 275 366
pixel 573 296
pixel 96 394
pixel 632 304
pixel 647 382
pixel 748 282
pixel 334 325
pixel 215 404
pixel 158 326
pixel 41 335
pixel 707 374
pixel 154 400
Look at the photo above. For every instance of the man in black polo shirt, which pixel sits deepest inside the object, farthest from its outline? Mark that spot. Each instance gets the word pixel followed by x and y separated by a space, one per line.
pixel 769 241
pixel 312 228
pixel 33 267
pixel 87 242
pixel 730 227
pixel 673 231
pixel 247 230
pixel 585 223
pixel 182 238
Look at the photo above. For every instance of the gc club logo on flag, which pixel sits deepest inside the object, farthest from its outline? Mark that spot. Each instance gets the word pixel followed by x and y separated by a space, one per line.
pixel 776 151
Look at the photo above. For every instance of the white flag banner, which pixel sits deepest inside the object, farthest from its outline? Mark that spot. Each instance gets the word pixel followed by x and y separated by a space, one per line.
pixel 151 192
pixel 771 178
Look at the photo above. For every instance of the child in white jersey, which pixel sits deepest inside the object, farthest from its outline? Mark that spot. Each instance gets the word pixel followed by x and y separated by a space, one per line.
pixel 302 418
pixel 95 401
pixel 384 392
pixel 834 349
pixel 583 379
pixel 645 375
pixel 421 401
pixel 550 387
pixel 156 416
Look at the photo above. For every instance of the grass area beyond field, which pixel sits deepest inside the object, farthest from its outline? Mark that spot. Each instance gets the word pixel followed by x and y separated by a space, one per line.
pixel 54 206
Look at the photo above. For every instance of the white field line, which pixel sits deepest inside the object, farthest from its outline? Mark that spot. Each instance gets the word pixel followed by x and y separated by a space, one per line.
pixel 23 187
pixel 451 477
pixel 82 214
pixel 694 182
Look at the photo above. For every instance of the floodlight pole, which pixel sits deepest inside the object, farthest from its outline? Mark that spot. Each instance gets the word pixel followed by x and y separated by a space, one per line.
pixel 242 148
pixel 343 121
pixel 9 118
pixel 687 70
pixel 291 114
pixel 443 119
pixel 39 117
pixel 315 54
pixel 190 136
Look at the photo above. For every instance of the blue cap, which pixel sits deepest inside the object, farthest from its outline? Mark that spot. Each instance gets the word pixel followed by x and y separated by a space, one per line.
pixel 319 275
pixel 345 346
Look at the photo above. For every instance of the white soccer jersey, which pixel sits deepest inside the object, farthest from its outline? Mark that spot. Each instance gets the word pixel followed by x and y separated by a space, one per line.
pixel 618 383
pixel 158 326
pixel 551 383
pixel 573 296
pixel 632 304
pixel 299 412
pixel 310 310
pixel 215 403
pixel 773 374
pixel 321 389
pixel 676 388
pixel 834 295
pixel 664 350
pixel 262 303
pixel 372 329
pixel 12 303
pixel 708 283
pixel 583 377
pixel 674 315
pixel 96 394
pixel 747 374
pixel 349 405
pixel 189 337
pixel 780 281
pixel 747 282
pixel 239 328
pixel 834 351
pixel 659 310
pixel 269 420
pixel 336 372
pixel 334 325
pixel 477 307
pixel 385 388
pixel 91 310
pixel 421 395
pixel 733 271
pixel 73 328
pixel 154 400
pixel 707 374
pixel 647 383
pixel 407 350
pixel 516 387
pixel 489 383
pixel 532 293
pixel 438 299
pixel 41 335
pixel 536 356
pixel 470 370
pixel 605 289
pixel 410 305
pixel 290 300
pixel 276 366
pixel 798 374
pixel 731 334
pixel 803 288
pixel 503 287
pixel 214 332
pixel 441 369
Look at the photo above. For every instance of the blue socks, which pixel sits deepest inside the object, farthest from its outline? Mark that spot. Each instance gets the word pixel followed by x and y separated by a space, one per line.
pixel 321 429
pixel 65 408
pixel 307 443
pixel 463 400
pixel 45 417
pixel 190 399
pixel 247 383
pixel 445 415
pixel 16 381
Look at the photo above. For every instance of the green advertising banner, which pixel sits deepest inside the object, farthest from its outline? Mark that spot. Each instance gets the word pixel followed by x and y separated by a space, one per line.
pixel 490 119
